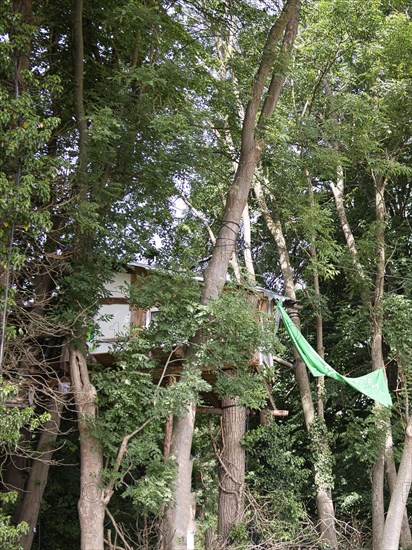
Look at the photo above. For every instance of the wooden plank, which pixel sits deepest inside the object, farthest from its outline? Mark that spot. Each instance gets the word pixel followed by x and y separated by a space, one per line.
pixel 208 410
pixel 114 301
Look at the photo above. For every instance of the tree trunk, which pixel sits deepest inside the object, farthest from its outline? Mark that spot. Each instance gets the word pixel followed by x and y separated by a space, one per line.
pixel 324 495
pixel 405 537
pixel 232 470
pixel 378 473
pixel 22 58
pixel 176 519
pixel 374 306
pixel 79 81
pixel 251 150
pixel 177 527
pixel 210 539
pixel 338 194
pixel 38 474
pixel 324 500
pixel 247 243
pixel 378 510
pixel 393 524
pixel 326 512
pixel 320 349
pixel 91 507
pixel 15 475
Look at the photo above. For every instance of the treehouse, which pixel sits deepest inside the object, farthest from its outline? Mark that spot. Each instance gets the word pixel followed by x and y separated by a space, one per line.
pixel 116 318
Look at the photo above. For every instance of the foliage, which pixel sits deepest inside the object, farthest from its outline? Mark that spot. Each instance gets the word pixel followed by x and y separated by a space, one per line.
pixel 128 399
pixel 12 419
pixel 278 477
pixel 397 327
pixel 177 299
pixel 152 491
pixel 9 533
pixel 232 332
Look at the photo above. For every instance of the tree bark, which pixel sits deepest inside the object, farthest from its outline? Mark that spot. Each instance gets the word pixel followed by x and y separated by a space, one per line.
pixel 79 81
pixel 394 518
pixel 378 473
pixel 378 510
pixel 388 536
pixel 176 519
pixel 15 475
pixel 338 194
pixel 232 468
pixel 22 58
pixel 39 473
pixel 91 506
pixel 390 468
pixel 247 243
pixel 177 524
pixel 320 349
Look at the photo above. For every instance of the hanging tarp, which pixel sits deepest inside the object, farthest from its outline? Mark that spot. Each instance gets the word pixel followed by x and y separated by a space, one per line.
pixel 373 384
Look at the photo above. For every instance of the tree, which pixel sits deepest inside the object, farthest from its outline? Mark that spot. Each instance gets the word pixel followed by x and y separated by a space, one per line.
pixel 177 517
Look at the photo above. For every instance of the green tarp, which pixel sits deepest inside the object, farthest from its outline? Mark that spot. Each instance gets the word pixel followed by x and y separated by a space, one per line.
pixel 373 384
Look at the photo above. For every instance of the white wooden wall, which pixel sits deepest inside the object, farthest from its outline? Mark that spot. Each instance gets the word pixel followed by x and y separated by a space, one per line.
pixel 117 323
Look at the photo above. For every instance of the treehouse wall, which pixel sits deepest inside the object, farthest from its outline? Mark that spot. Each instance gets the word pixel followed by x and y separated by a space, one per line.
pixel 114 315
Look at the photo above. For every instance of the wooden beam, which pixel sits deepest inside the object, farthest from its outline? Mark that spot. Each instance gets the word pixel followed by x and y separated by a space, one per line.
pixel 209 410
pixel 278 412
pixel 114 301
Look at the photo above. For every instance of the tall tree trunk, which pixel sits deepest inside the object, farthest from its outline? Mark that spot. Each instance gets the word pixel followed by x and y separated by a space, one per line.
pixel 378 473
pixel 91 506
pixel 232 459
pixel 338 194
pixel 215 273
pixel 15 475
pixel 326 512
pixel 378 510
pixel 247 243
pixel 405 536
pixel 387 538
pixel 232 468
pixel 394 518
pixel 319 319
pixel 374 307
pixel 176 528
pixel 251 150
pixel 22 58
pixel 39 472
pixel 79 81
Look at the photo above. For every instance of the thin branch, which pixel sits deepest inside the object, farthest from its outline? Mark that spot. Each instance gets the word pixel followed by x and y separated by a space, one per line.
pixel 118 531
pixel 200 216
